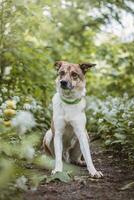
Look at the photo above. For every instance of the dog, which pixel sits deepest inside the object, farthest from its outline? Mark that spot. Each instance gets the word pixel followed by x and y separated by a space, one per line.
pixel 68 139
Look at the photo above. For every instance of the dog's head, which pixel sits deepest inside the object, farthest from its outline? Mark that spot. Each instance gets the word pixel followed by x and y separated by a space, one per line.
pixel 71 76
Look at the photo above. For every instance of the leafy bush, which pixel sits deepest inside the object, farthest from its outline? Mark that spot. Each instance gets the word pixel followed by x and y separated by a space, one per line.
pixel 33 35
pixel 23 122
pixel 112 119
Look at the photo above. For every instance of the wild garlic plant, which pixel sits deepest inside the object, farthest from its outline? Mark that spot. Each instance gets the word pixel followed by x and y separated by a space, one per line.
pixel 113 119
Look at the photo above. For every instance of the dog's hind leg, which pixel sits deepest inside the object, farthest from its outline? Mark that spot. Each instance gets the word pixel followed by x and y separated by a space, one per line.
pixel 47 142
pixel 75 153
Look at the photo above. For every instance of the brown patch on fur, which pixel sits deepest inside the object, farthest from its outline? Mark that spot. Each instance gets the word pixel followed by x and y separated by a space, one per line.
pixel 73 73
pixel 52 127
pixel 70 69
pixel 86 66
pixel 81 68
pixel 46 149
pixel 49 149
pixel 70 72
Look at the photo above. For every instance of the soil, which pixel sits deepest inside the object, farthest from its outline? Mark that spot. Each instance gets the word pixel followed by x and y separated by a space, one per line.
pixel 117 173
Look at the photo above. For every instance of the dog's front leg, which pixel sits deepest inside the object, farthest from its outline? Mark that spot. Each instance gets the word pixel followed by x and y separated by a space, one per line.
pixel 80 131
pixel 58 147
pixel 59 126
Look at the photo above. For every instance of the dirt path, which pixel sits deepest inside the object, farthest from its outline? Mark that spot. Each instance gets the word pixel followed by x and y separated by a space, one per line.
pixel 117 173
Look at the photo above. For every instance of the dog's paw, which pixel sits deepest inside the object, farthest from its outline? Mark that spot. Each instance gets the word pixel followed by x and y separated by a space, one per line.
pixel 54 171
pixel 97 174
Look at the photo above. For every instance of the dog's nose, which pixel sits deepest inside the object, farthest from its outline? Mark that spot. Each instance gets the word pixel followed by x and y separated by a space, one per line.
pixel 63 83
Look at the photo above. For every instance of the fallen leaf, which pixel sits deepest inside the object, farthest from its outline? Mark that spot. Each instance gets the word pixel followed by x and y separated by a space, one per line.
pixel 61 176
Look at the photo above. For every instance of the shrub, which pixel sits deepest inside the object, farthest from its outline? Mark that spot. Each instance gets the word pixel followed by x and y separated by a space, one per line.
pixel 113 120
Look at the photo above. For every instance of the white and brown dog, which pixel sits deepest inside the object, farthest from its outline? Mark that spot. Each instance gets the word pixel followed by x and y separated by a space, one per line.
pixel 68 138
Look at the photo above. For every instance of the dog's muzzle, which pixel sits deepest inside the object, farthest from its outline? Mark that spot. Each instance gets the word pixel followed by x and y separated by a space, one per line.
pixel 66 85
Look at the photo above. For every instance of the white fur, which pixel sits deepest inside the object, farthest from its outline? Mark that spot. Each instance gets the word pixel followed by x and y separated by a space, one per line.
pixel 74 115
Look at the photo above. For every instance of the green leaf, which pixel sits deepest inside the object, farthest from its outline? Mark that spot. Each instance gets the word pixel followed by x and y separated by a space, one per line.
pixel 47 162
pixel 61 176
pixel 120 136
pixel 18 3
pixel 108 142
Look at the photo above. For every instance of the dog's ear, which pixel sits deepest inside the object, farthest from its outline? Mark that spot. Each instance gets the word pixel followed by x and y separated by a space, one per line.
pixel 85 66
pixel 58 64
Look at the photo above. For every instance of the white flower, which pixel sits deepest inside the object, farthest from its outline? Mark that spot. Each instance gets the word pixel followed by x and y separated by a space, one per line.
pixel 27 106
pixel 24 121
pixel 121 107
pixel 125 95
pixel 112 113
pixel 100 120
pixel 34 103
pixel 33 108
pixel 46 11
pixel 91 119
pixel 16 99
pixel 94 113
pixel 21 183
pixel 105 111
pixel 4 90
pixel 124 116
pixel 3 106
pixel 8 68
pixel 1 99
pixel 29 152
pixel 130 123
pixel 13 8
pixel 39 107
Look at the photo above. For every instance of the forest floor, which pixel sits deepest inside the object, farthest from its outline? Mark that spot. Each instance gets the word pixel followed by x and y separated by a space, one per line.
pixel 117 173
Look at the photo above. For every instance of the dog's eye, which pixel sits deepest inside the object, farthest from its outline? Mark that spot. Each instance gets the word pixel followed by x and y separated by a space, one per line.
pixel 74 75
pixel 61 73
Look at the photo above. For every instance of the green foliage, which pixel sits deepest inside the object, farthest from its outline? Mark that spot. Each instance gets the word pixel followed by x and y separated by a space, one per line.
pixel 33 35
pixel 15 154
pixel 48 162
pixel 112 119
pixel 117 70
pixel 61 176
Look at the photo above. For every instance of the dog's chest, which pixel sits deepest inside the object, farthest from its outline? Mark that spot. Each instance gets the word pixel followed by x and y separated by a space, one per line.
pixel 66 111
pixel 69 112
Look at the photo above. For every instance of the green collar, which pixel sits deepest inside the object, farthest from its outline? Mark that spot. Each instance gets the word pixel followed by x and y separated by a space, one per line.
pixel 70 101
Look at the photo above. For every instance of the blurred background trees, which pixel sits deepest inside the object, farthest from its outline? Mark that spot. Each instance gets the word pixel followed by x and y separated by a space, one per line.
pixel 34 34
